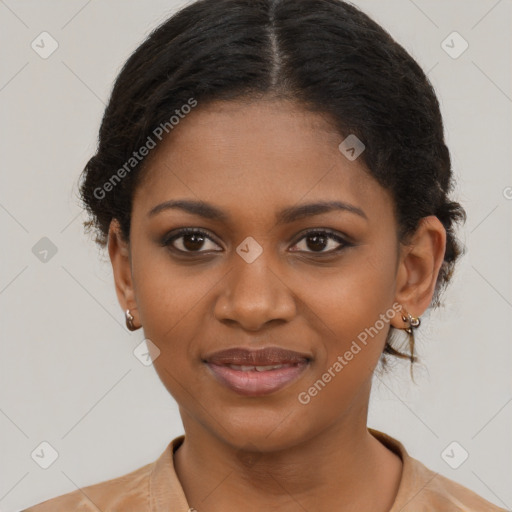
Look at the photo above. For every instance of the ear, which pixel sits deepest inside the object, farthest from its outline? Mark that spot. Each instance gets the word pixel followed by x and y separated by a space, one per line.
pixel 418 268
pixel 119 253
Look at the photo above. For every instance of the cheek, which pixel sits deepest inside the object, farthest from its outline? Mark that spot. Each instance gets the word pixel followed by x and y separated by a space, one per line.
pixel 352 309
pixel 173 304
pixel 352 297
pixel 169 296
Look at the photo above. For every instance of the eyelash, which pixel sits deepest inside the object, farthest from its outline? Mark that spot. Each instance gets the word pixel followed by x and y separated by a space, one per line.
pixel 168 240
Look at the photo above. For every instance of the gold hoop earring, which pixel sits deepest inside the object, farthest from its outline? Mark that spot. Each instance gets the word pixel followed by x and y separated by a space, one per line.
pixel 129 321
pixel 413 322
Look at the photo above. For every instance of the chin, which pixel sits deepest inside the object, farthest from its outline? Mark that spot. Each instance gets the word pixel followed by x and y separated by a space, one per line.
pixel 260 430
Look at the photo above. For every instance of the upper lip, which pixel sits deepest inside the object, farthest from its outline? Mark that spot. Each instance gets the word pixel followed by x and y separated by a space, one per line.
pixel 256 357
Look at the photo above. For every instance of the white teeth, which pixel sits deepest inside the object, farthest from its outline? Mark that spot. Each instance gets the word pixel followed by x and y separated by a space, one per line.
pixel 244 368
pixel 265 368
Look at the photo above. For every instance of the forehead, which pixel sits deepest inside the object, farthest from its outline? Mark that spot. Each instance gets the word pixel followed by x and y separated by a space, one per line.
pixel 248 156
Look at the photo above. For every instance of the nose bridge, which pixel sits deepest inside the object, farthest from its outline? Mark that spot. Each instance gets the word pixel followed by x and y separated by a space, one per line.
pixel 254 294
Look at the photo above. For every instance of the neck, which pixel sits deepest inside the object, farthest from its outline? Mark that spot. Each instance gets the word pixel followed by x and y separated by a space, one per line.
pixel 343 468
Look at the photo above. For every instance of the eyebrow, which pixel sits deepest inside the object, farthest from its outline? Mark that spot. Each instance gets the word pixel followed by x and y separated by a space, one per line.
pixel 285 216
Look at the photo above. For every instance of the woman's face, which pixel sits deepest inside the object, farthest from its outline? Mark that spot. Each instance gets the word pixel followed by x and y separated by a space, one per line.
pixel 254 278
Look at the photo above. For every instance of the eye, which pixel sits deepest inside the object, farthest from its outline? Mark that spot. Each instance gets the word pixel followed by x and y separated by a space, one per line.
pixel 194 240
pixel 317 240
pixel 190 240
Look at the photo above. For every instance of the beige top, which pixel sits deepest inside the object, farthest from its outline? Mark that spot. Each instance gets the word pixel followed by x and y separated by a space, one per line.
pixel 155 488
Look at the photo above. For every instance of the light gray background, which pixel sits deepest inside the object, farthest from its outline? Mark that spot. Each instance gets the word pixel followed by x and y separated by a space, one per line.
pixel 68 374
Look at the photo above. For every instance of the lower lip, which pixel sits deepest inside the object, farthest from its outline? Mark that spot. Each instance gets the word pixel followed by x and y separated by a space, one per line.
pixel 254 383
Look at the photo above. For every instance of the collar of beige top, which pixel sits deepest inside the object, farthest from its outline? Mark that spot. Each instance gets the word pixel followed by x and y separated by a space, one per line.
pixel 166 490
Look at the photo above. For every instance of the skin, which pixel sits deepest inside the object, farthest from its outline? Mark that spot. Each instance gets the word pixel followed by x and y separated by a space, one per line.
pixel 252 160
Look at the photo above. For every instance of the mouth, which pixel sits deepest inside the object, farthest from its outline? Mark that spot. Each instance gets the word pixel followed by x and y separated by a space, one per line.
pixel 257 372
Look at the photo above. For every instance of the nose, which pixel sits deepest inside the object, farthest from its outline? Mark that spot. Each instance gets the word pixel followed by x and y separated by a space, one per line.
pixel 254 295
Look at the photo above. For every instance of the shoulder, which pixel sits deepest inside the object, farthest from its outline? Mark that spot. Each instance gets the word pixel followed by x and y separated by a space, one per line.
pixel 424 490
pixel 437 492
pixel 129 492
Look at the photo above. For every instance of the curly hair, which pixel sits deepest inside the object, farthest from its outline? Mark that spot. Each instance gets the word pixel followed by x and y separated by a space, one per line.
pixel 326 55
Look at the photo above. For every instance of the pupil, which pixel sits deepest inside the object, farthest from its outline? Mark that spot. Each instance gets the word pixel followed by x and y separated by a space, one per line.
pixel 319 240
pixel 197 241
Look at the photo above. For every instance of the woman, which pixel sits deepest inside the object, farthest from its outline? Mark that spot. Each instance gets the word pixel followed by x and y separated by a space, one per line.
pixel 272 184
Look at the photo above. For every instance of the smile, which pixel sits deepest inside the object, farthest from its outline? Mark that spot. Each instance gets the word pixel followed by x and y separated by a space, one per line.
pixel 258 380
